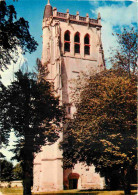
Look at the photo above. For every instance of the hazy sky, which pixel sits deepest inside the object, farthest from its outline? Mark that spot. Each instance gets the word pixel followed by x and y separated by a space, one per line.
pixel 115 16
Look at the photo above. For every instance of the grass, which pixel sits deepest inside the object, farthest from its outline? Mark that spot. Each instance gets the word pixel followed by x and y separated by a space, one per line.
pixel 11 191
pixel 81 192
pixel 19 191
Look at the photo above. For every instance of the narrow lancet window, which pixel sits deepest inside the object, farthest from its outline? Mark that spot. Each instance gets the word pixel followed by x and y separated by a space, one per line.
pixel 77 43
pixel 67 41
pixel 87 44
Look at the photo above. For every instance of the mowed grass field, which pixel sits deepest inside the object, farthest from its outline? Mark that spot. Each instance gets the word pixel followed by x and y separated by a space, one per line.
pixel 78 192
pixel 11 191
pixel 19 191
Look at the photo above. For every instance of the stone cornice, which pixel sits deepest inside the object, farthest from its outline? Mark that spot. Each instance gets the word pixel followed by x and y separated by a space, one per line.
pixel 79 22
pixel 73 19
pixel 76 19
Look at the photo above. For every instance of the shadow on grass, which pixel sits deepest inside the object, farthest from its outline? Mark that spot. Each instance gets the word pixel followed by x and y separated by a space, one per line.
pixel 88 192
pixel 18 191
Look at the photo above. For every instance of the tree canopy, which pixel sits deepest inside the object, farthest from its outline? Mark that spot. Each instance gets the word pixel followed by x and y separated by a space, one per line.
pixel 103 131
pixel 125 56
pixel 29 108
pixel 10 172
pixel 14 33
pixel 17 172
pixel 6 170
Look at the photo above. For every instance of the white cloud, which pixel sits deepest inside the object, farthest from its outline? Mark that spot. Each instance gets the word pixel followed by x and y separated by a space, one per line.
pixel 7 78
pixel 8 75
pixel 5 149
pixel 108 39
pixel 115 16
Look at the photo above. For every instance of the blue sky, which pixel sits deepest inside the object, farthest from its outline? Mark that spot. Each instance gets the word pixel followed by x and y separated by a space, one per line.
pixel 115 16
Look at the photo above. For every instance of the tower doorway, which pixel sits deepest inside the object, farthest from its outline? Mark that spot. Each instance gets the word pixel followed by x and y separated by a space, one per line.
pixel 73 183
pixel 73 180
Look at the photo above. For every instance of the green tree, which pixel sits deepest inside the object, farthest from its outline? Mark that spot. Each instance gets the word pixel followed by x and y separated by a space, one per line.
pixel 4 132
pixel 14 33
pixel 103 131
pixel 17 172
pixel 125 56
pixel 6 168
pixel 29 108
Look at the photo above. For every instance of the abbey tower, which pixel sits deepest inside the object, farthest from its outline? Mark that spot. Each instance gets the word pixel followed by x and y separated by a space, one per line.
pixel 71 44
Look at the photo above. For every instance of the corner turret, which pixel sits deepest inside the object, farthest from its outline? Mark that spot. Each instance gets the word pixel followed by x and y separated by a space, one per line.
pixel 48 10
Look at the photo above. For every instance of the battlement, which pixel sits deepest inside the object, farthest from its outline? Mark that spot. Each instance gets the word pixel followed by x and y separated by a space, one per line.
pixel 76 19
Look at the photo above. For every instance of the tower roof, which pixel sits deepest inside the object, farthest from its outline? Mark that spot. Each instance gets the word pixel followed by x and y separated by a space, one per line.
pixel 48 10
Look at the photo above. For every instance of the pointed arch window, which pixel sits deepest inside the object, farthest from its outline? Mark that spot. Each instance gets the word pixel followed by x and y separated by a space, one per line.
pixel 87 44
pixel 67 41
pixel 77 42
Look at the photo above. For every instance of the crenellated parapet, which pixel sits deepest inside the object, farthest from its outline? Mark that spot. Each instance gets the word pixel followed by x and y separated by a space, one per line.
pixel 76 19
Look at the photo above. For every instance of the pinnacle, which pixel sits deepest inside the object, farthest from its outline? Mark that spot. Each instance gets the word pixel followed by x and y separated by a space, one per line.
pixel 48 3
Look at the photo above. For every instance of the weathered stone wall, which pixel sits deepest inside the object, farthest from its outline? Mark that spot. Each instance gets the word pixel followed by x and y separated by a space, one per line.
pixel 88 179
pixel 48 171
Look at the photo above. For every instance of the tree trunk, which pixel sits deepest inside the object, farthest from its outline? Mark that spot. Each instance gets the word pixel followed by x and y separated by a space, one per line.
pixel 27 185
pixel 27 178
pixel 126 181
pixel 127 189
pixel 27 165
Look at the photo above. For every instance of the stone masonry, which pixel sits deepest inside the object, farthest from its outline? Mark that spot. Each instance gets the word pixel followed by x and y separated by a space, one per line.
pixel 71 44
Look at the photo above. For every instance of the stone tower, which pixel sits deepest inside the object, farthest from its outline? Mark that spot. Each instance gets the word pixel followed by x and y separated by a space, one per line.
pixel 71 44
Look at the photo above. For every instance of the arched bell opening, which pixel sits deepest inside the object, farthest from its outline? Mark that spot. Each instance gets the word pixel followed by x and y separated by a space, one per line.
pixel 87 44
pixel 77 42
pixel 67 41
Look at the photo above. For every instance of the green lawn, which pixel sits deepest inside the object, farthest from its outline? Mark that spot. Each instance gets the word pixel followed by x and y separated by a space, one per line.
pixel 11 191
pixel 69 192
pixel 19 191
pixel 77 192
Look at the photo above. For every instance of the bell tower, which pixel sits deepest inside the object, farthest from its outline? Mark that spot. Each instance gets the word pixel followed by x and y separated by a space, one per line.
pixel 48 171
pixel 71 44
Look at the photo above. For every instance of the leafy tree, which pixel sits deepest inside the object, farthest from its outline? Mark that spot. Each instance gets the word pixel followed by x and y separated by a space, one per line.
pixel 125 56
pixel 103 131
pixel 4 132
pixel 13 34
pixel 30 108
pixel 1 155
pixel 6 168
pixel 17 172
